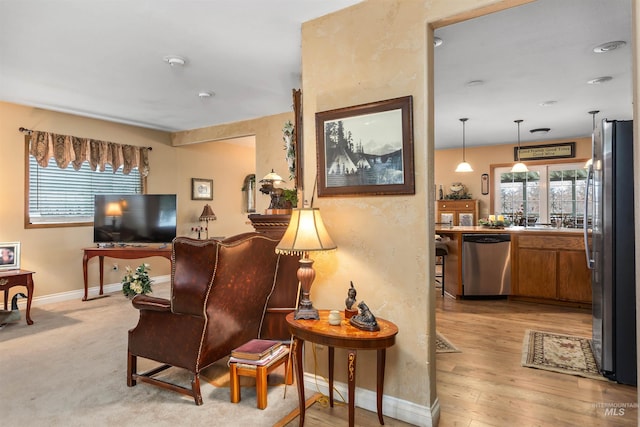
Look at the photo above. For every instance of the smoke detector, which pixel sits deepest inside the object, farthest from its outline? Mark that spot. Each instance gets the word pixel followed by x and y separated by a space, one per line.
pixel 174 61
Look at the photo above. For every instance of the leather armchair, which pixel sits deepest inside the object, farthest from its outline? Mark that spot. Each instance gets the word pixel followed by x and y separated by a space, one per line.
pixel 219 295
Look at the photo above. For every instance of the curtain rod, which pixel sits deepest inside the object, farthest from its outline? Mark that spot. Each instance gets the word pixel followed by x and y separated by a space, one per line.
pixel 30 131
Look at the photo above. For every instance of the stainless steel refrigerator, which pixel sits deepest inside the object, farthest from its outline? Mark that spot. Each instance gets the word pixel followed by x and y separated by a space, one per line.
pixel 611 250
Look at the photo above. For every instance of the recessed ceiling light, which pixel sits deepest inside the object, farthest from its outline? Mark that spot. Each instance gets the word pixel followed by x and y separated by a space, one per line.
pixel 174 60
pixel 437 41
pixel 609 46
pixel 475 83
pixel 540 130
pixel 205 95
pixel 600 80
pixel 548 103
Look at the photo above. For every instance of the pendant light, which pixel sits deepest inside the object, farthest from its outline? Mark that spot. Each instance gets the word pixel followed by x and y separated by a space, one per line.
pixel 463 166
pixel 593 114
pixel 519 166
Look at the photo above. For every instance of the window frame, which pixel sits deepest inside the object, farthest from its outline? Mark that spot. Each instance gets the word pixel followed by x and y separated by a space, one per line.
pixel 494 195
pixel 27 219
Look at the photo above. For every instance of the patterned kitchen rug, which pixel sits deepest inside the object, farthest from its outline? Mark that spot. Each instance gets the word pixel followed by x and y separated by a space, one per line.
pixel 444 346
pixel 561 353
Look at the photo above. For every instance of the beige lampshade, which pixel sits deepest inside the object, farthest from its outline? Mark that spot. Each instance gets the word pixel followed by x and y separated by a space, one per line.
pixel 306 232
pixel 207 214
pixel 113 209
pixel 272 177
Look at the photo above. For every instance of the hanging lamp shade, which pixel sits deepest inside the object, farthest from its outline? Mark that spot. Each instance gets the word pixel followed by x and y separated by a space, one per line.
pixel 463 166
pixel 593 113
pixel 519 166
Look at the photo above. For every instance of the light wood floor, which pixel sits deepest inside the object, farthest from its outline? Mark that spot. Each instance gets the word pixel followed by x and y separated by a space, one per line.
pixel 485 385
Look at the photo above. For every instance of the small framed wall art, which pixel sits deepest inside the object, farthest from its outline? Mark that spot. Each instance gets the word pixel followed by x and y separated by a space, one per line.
pixel 9 256
pixel 201 189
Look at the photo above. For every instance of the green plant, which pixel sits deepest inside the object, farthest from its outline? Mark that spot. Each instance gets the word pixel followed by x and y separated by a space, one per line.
pixel 136 281
pixel 291 196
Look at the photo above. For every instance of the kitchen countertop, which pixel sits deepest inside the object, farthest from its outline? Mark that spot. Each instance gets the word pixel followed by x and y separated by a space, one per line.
pixel 506 230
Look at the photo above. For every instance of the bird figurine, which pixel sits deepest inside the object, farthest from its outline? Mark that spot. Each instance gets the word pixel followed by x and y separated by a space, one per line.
pixel 13 315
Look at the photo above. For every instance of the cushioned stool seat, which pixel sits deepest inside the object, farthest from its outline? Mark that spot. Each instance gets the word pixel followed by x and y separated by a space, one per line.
pixel 441 252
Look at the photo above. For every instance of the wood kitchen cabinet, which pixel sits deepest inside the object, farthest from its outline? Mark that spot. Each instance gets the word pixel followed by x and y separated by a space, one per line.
pixel 458 212
pixel 551 267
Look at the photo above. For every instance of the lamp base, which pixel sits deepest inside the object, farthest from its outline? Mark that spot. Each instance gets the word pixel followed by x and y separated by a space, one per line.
pixel 306 313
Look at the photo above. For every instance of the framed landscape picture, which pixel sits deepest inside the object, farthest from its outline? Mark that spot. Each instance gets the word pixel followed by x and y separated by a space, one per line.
pixel 366 149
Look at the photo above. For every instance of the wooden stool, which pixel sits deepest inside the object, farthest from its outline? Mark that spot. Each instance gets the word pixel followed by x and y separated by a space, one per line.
pixel 260 374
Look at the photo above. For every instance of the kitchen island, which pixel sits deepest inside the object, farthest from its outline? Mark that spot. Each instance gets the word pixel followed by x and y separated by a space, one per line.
pixel 547 264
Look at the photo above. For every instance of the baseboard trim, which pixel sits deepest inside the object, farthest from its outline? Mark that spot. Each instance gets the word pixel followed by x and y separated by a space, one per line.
pixel 393 407
pixel 79 293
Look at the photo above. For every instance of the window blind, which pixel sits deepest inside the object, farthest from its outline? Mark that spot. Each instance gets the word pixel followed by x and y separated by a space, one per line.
pixel 67 195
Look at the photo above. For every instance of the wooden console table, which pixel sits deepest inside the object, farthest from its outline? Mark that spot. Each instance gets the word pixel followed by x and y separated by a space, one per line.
pixel 343 336
pixel 11 278
pixel 126 252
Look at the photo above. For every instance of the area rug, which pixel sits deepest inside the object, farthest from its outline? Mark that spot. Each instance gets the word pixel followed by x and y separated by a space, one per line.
pixel 561 353
pixel 444 346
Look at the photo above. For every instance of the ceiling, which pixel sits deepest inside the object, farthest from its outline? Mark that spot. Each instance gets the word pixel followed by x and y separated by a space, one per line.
pixel 527 56
pixel 105 60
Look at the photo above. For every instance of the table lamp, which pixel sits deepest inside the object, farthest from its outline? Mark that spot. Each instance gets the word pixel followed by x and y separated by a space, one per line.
pixel 207 215
pixel 306 233
pixel 114 210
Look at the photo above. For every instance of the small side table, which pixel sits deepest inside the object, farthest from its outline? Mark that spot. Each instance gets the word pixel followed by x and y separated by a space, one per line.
pixel 11 278
pixel 342 336
pixel 236 370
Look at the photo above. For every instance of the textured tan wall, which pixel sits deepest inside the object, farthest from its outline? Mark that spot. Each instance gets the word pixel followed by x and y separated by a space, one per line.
pixel 55 253
pixel 370 52
pixel 269 146
pixel 227 164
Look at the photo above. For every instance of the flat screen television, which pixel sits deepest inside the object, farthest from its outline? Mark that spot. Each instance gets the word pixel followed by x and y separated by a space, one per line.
pixel 134 218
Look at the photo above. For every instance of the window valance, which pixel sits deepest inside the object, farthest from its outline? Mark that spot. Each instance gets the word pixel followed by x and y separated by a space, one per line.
pixel 67 149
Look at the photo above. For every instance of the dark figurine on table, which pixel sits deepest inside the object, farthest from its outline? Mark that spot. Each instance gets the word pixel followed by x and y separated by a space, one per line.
pixel 365 320
pixel 351 297
pixel 350 310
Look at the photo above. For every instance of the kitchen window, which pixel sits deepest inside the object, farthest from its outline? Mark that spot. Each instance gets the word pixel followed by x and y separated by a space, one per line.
pixel 547 194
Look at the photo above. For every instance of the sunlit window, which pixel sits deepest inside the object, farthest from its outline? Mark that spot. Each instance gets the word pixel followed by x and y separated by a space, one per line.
pixel 547 194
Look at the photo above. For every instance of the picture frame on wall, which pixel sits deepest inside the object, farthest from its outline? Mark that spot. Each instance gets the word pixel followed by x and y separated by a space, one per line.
pixel 201 189
pixel 366 150
pixel 9 256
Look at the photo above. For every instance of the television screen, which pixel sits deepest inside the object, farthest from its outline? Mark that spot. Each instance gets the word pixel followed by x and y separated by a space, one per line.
pixel 134 218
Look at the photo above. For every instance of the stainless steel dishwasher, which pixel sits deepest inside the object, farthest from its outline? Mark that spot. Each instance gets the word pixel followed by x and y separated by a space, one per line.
pixel 486 264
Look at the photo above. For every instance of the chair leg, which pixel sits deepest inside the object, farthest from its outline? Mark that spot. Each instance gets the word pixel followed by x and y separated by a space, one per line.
pixel 234 383
pixel 444 259
pixel 195 388
pixel 261 387
pixel 132 368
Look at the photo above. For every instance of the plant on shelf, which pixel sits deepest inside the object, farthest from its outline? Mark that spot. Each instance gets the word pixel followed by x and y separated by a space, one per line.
pixel 290 196
pixel 289 147
pixel 136 281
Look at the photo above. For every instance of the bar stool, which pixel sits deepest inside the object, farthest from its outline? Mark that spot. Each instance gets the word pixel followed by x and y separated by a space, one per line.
pixel 441 253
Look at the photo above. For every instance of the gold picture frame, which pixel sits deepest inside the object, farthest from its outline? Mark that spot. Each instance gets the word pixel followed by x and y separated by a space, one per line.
pixel 201 189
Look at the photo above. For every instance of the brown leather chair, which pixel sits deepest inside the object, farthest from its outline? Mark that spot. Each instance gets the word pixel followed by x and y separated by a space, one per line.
pixel 219 294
